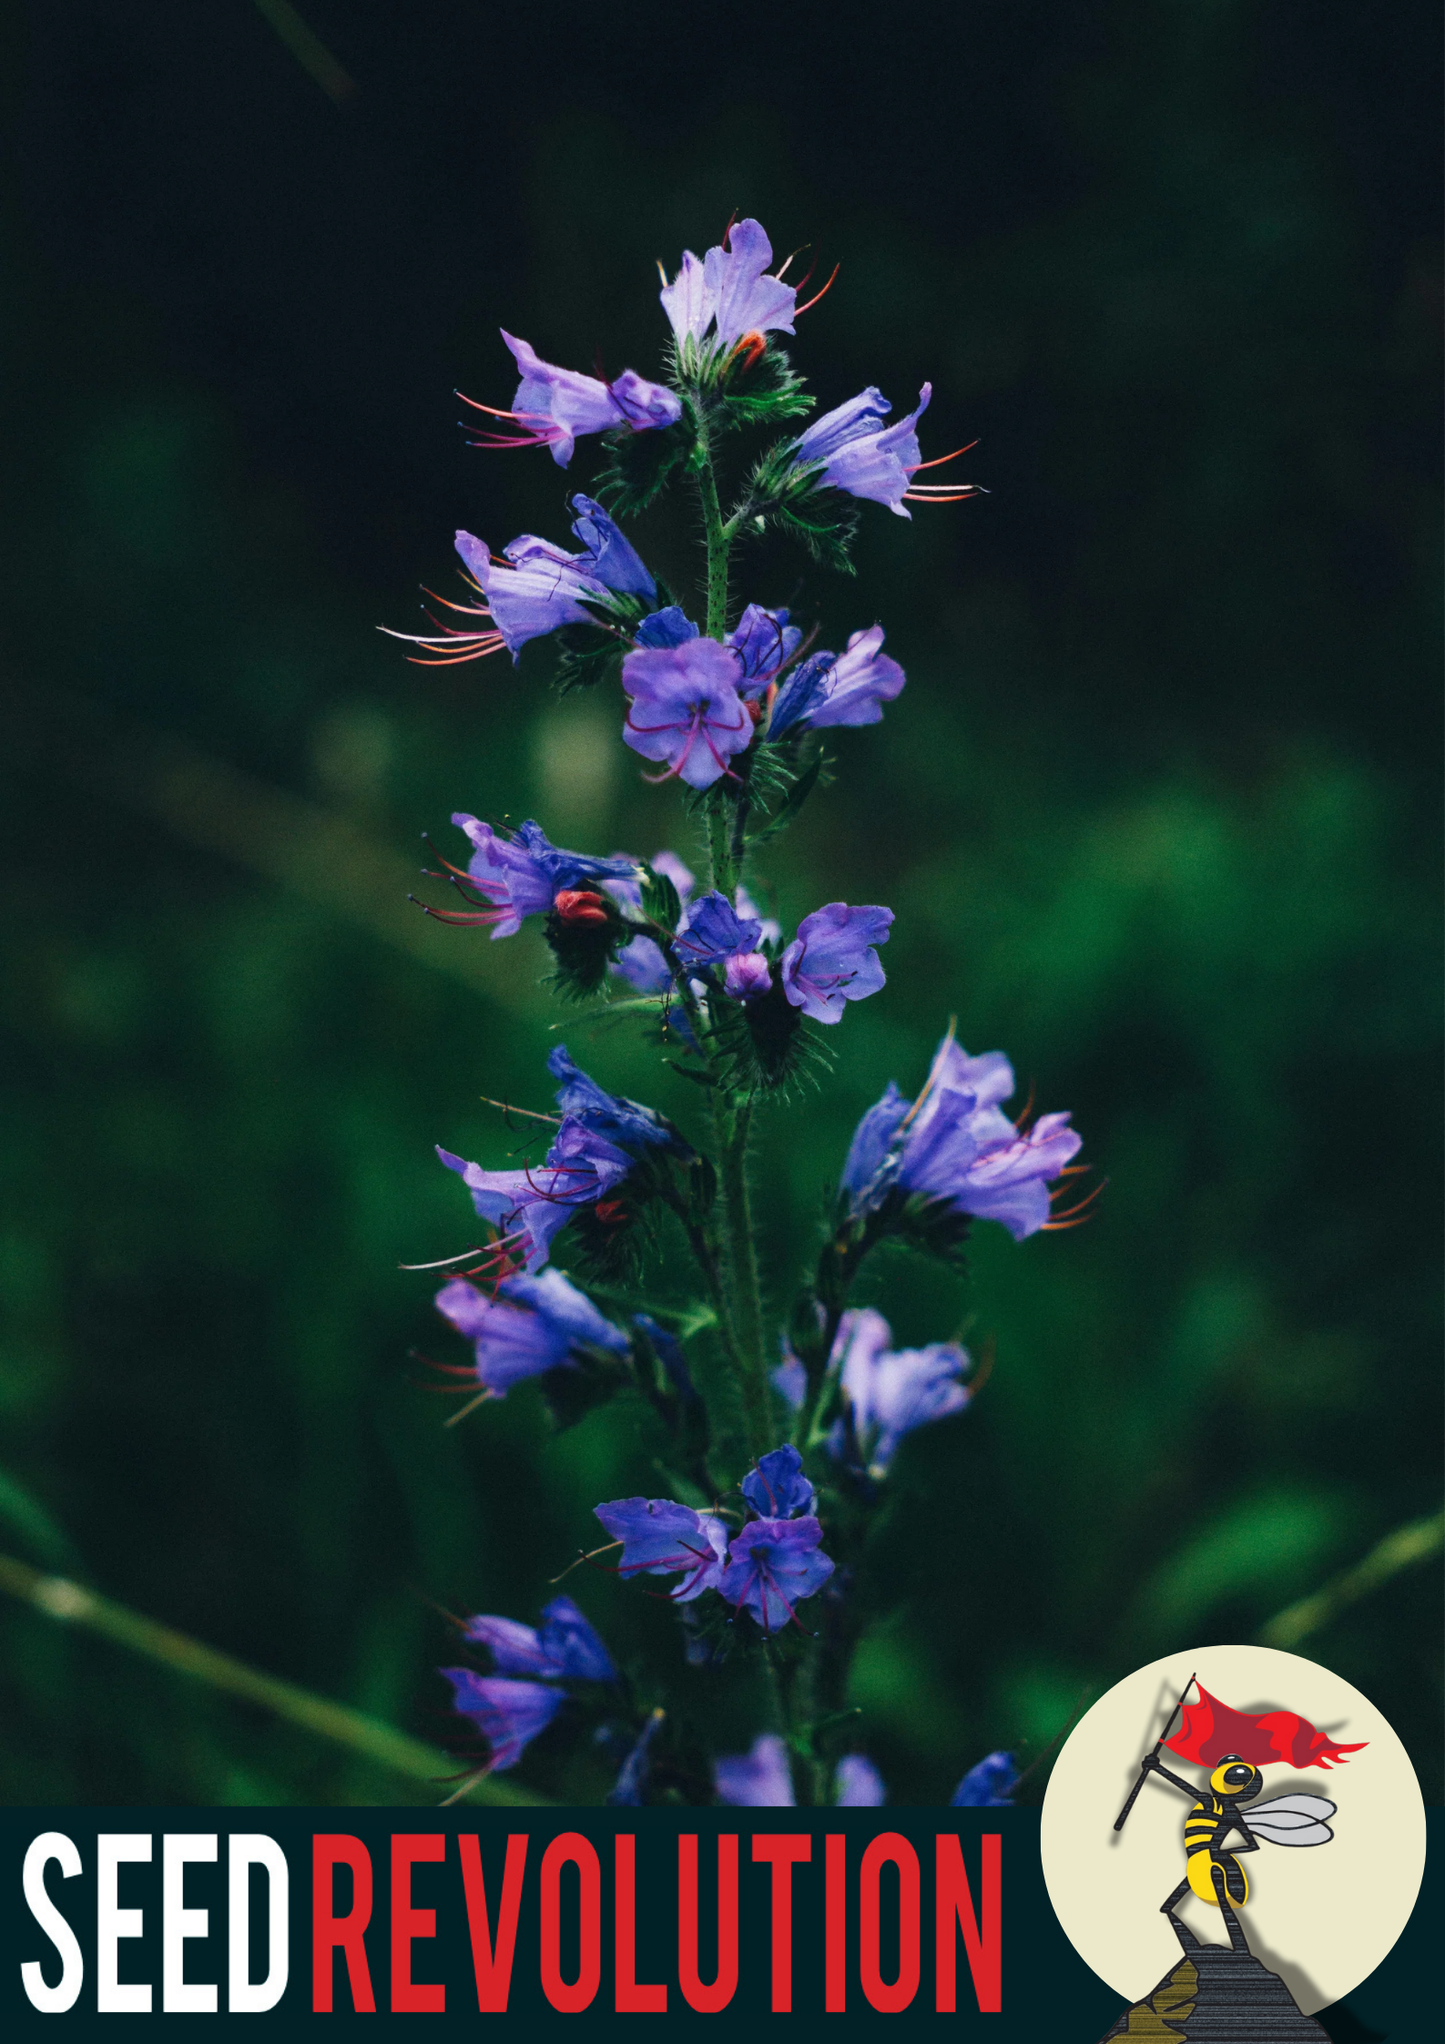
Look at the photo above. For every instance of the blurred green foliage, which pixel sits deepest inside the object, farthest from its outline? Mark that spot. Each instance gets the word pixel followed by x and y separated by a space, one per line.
pixel 1156 813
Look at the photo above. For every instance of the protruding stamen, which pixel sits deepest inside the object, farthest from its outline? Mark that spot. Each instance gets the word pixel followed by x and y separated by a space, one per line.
pixel 799 309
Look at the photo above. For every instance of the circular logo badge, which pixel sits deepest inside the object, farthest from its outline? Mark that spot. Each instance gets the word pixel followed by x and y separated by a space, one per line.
pixel 1226 1820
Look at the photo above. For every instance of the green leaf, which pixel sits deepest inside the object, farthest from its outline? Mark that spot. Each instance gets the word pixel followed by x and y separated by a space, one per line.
pixel 660 900
pixel 587 656
pixel 765 392
pixel 686 1493
pixel 641 465
pixel 792 802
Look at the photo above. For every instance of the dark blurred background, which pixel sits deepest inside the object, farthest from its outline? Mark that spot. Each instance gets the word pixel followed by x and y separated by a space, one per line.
pixel 1158 815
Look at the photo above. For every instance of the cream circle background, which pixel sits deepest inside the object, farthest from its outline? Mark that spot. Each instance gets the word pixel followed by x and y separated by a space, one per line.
pixel 1322 1917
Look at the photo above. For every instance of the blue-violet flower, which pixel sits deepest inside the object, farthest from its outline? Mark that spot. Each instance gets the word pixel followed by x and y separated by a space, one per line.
pixel 710 930
pixel 685 710
pixel 772 1565
pixel 832 959
pixel 528 1326
pixel 987 1786
pixel 777 1488
pixel 860 455
pixel 522 874
pixel 566 1647
pixel 537 587
pixel 726 294
pixel 956 1145
pixel 553 406
pixel 529 1206
pixel 508 1714
pixel 759 1779
pixel 662 1538
pixel 839 688
pixel 627 1123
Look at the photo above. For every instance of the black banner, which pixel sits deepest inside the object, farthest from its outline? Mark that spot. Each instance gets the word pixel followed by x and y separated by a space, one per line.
pixel 543 1915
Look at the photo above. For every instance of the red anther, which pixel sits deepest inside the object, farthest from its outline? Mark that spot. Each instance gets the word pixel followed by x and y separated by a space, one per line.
pixel 748 349
pixel 580 905
pixel 757 710
pixel 610 1212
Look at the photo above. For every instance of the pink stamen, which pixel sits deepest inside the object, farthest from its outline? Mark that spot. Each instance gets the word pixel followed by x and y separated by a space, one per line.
pixel 799 309
pixel 939 459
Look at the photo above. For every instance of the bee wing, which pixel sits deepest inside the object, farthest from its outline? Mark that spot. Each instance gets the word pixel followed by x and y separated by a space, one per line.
pixel 1292 1820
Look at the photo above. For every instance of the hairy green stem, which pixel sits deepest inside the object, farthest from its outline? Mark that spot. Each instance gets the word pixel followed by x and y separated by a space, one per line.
pixel 732 1124
pixel 719 540
pixel 743 1309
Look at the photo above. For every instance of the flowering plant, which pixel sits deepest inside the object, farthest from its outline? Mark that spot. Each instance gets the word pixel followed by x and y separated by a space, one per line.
pixel 780 1439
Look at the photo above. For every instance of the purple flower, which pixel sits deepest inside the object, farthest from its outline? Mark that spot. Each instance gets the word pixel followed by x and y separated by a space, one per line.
pixel 888 1391
pixel 748 976
pixel 860 455
pixel 669 627
pixel 613 560
pixel 632 1779
pixel 772 1565
pixel 644 405
pixel 759 1779
pixel 727 292
pixel 643 966
pixel 661 1538
pixel 857 1784
pixel 669 1352
pixel 529 1326
pixel 839 688
pixel 873 1139
pixel 987 1786
pixel 832 959
pixel 685 709
pixel 777 1488
pixel 566 1647
pixel 764 641
pixel 553 406
pixel 624 1122
pixel 522 874
pixel 508 1714
pixel 892 1391
pixel 956 1145
pixel 530 1205
pixel 538 587
pixel 710 930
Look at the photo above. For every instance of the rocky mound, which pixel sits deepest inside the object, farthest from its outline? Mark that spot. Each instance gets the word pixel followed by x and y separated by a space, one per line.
pixel 1216 1995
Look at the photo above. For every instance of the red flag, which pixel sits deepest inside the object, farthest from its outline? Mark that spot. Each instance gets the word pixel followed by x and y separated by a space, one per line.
pixel 1211 1729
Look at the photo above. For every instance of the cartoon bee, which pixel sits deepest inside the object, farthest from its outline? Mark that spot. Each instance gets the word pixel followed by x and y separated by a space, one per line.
pixel 1215 1874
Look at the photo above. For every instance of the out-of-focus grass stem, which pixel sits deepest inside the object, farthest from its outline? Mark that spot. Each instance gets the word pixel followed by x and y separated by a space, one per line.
pixel 1399 1550
pixel 72 1604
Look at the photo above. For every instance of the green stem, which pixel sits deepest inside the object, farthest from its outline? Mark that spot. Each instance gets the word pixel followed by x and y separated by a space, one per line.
pixel 719 540
pixel 720 847
pixel 838 1266
pixel 732 1122
pixel 744 1312
pixel 59 1598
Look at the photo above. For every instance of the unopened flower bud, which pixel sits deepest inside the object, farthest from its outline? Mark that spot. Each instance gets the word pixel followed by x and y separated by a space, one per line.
pixel 581 905
pixel 748 975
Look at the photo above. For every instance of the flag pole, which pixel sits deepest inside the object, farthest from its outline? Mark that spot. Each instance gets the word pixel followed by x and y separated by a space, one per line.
pixel 1144 1765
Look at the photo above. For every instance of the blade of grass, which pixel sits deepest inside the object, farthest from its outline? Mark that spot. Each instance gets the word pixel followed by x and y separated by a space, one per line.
pixel 1399 1550
pixel 71 1604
